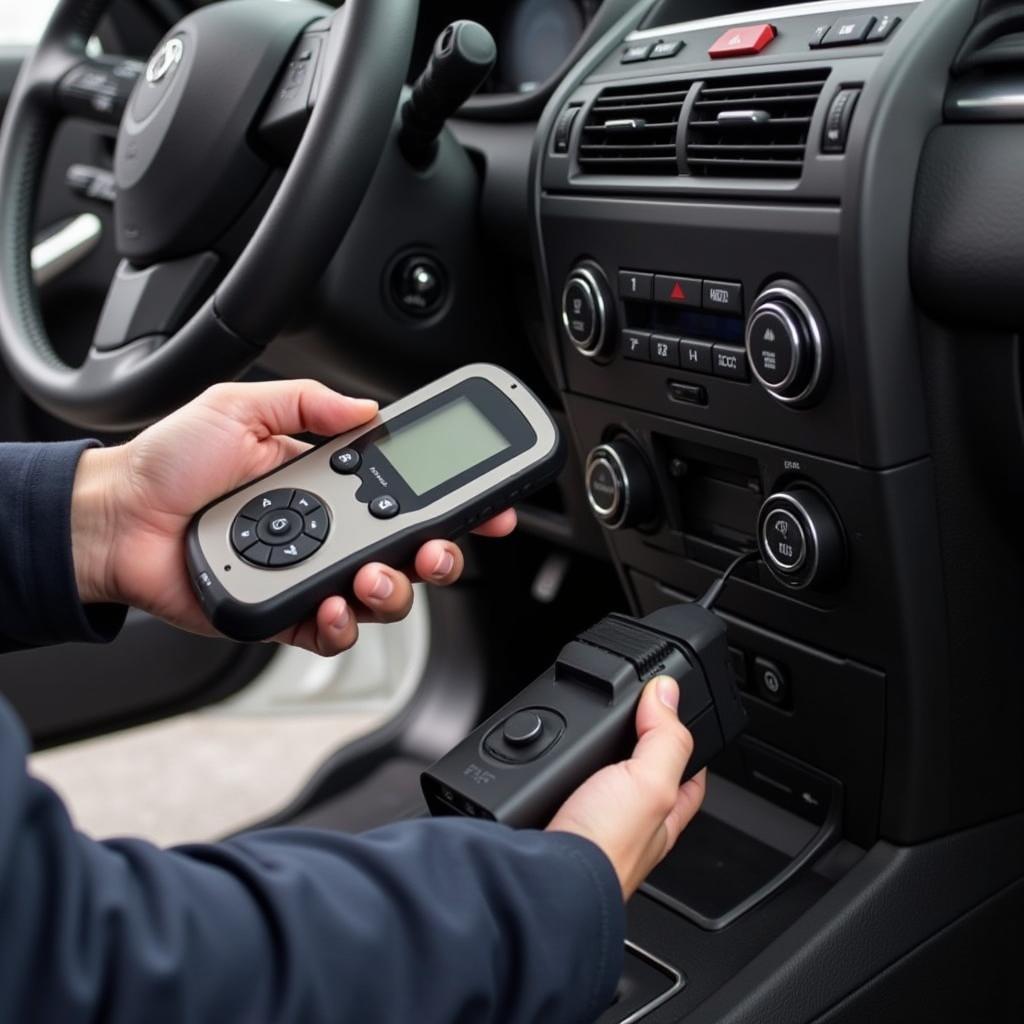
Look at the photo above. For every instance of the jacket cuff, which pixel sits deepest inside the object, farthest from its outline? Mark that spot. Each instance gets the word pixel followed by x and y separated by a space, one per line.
pixel 609 917
pixel 49 572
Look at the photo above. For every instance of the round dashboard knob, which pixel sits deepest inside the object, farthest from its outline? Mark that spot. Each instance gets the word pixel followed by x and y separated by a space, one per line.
pixel 786 343
pixel 585 311
pixel 620 487
pixel 800 539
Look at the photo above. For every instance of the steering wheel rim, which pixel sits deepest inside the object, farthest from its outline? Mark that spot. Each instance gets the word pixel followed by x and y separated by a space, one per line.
pixel 367 54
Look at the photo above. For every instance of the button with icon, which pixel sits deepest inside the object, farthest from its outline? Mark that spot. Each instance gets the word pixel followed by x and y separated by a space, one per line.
pixel 346 460
pixel 293 552
pixel 784 540
pixel 384 507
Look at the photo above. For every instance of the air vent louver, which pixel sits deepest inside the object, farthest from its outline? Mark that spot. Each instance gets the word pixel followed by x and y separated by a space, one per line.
pixel 755 126
pixel 631 129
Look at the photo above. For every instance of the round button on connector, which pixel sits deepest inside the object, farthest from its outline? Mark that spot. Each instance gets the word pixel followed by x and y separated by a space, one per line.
pixel 620 487
pixel 586 307
pixel 523 728
pixel 800 539
pixel 786 344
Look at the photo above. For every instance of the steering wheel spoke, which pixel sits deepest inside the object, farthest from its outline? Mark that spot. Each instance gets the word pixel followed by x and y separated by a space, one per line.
pixel 98 88
pixel 153 302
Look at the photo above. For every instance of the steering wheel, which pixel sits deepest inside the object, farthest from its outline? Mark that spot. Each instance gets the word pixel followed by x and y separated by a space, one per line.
pixel 212 268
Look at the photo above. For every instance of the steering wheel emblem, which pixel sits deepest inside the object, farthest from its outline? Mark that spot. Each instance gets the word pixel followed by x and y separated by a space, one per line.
pixel 167 57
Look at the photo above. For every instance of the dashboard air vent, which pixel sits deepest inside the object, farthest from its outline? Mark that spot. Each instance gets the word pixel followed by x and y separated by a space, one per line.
pixel 631 129
pixel 755 126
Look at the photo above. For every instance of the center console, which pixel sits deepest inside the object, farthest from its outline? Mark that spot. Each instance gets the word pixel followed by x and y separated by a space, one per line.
pixel 721 213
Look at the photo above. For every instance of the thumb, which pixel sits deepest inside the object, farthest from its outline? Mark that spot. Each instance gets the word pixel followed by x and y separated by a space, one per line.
pixel 291 407
pixel 663 741
pixel 659 703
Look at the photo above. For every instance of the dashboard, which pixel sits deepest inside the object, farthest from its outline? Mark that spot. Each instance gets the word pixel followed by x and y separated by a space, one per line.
pixel 738 275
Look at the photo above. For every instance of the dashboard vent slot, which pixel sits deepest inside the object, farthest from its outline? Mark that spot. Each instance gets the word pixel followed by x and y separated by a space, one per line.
pixel 631 129
pixel 755 126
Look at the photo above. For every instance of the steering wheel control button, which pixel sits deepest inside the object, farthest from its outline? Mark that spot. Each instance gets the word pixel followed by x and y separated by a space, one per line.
pixel 771 683
pixel 243 534
pixel 633 284
pixel 316 524
pixel 270 501
pixel 279 527
pixel 665 349
pixel 849 31
pixel 729 361
pixel 620 487
pixel 346 460
pixel 786 344
pixel 723 297
pixel 784 540
pixel 305 502
pixel 695 355
pixel 800 538
pixel 743 41
pixel 586 310
pixel 678 291
pixel 384 507
pixel 522 729
pixel 636 345
pixel 293 552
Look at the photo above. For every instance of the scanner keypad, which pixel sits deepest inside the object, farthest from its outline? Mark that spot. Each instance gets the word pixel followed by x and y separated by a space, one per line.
pixel 280 528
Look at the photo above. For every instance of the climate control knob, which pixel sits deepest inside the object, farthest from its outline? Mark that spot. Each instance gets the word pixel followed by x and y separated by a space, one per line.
pixel 586 309
pixel 800 539
pixel 620 487
pixel 786 343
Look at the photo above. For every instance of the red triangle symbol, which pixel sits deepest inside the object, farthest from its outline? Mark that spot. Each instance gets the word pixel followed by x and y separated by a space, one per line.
pixel 677 292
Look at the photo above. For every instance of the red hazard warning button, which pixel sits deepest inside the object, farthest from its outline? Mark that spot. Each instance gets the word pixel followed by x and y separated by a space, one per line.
pixel 742 41
pixel 679 291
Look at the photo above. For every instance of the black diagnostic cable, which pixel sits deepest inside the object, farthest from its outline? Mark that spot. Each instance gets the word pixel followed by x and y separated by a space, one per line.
pixel 712 593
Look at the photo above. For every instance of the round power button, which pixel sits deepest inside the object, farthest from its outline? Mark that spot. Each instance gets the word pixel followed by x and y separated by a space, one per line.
pixel 522 728
pixel 586 309
pixel 784 540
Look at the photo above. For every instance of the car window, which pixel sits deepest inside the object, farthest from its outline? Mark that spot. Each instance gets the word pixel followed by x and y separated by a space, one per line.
pixel 22 21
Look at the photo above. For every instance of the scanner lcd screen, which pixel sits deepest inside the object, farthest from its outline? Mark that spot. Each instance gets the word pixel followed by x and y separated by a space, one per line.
pixel 441 445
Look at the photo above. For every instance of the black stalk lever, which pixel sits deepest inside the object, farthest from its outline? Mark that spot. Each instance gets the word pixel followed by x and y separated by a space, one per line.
pixel 460 61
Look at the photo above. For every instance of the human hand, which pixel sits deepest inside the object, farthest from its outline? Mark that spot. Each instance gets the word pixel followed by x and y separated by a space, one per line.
pixel 635 810
pixel 131 507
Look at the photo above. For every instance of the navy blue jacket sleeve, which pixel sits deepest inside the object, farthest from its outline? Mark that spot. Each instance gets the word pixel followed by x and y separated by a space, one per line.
pixel 429 921
pixel 38 597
